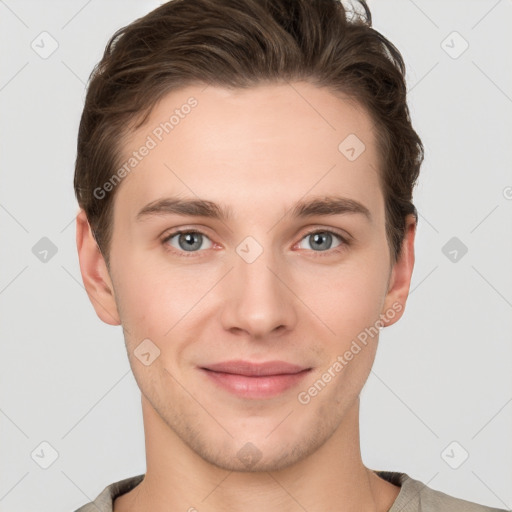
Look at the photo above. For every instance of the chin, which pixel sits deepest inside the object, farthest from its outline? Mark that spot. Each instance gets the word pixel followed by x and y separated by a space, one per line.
pixel 259 453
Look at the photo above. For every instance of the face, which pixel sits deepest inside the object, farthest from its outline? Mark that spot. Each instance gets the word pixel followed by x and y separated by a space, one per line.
pixel 261 273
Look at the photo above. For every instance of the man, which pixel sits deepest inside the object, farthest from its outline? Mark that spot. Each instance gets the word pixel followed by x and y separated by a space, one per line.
pixel 245 172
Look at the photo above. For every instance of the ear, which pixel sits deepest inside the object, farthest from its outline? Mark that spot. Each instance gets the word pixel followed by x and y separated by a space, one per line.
pixel 400 277
pixel 95 273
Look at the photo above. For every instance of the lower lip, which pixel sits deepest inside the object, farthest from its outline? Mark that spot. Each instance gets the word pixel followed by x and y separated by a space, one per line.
pixel 256 387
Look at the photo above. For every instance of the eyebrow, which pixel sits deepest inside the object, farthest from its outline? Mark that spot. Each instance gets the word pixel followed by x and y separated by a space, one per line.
pixel 324 205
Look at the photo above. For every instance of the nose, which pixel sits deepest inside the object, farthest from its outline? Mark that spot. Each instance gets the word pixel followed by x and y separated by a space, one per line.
pixel 259 298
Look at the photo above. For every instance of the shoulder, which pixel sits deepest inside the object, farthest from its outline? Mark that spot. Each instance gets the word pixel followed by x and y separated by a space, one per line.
pixel 415 496
pixel 105 500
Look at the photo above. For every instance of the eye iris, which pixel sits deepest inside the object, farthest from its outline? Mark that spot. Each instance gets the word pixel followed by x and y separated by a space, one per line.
pixel 191 241
pixel 319 237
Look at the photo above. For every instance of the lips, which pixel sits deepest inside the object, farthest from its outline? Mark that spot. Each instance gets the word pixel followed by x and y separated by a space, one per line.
pixel 249 369
pixel 255 380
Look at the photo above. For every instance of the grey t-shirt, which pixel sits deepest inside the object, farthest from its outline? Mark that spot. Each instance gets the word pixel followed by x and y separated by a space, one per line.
pixel 414 496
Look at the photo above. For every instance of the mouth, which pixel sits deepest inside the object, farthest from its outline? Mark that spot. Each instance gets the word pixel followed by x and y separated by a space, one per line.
pixel 255 380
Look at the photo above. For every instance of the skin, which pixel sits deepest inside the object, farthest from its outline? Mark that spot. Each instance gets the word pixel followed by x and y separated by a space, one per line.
pixel 257 151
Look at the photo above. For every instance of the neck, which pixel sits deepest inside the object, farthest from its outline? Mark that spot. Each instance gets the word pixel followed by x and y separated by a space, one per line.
pixel 332 478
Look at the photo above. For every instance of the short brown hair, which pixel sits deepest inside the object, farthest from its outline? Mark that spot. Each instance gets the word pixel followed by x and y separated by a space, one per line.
pixel 242 43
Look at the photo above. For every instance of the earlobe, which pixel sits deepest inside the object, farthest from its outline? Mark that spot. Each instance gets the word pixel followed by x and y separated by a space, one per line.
pixel 400 279
pixel 94 272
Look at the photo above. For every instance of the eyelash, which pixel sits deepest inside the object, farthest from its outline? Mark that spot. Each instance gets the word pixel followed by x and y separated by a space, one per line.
pixel 344 242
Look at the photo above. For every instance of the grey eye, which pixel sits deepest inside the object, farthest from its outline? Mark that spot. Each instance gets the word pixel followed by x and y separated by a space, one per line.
pixel 321 240
pixel 188 241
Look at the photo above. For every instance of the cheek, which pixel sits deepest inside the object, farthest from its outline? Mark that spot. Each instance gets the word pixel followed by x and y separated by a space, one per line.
pixel 351 308
pixel 154 299
pixel 347 299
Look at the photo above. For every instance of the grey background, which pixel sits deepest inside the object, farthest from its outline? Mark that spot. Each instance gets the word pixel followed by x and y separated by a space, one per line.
pixel 442 374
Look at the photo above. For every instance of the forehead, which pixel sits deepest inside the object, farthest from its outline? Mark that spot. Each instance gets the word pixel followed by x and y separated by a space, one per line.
pixel 264 143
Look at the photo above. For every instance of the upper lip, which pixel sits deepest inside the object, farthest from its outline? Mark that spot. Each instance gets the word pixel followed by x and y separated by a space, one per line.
pixel 249 369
